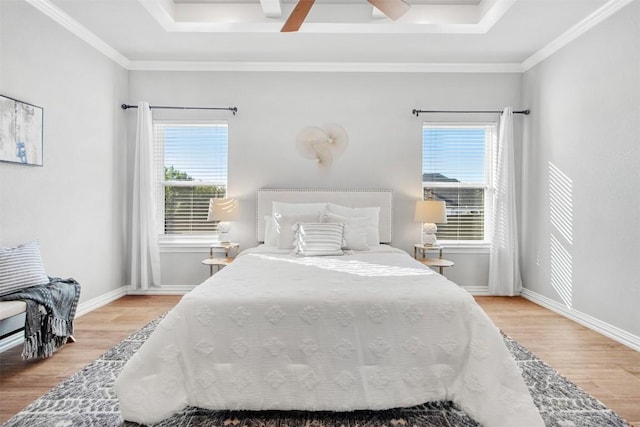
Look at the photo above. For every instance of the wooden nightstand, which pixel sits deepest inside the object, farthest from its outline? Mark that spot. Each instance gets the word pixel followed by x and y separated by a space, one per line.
pixel 422 249
pixel 221 262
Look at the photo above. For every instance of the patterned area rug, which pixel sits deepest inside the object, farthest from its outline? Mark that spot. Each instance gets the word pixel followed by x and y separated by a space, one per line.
pixel 88 399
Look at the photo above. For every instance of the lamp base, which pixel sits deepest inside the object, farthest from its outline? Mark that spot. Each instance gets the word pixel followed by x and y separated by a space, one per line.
pixel 224 228
pixel 429 234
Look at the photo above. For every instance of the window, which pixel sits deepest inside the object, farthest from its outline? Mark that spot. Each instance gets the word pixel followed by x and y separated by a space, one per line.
pixel 456 168
pixel 191 160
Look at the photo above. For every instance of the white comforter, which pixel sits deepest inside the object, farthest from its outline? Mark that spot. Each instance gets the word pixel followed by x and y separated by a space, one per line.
pixel 370 330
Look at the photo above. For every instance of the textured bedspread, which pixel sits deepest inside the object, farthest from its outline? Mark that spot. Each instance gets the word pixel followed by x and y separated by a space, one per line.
pixel 370 330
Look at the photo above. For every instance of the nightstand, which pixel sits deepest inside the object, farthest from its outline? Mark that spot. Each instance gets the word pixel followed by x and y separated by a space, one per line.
pixel 228 248
pixel 440 263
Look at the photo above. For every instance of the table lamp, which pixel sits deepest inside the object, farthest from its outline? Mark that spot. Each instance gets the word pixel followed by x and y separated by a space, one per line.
pixel 429 213
pixel 223 210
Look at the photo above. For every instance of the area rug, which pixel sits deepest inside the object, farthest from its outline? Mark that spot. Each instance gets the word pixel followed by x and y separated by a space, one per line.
pixel 88 399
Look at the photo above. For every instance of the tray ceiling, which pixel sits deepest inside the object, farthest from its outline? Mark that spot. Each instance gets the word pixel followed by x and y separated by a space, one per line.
pixel 494 34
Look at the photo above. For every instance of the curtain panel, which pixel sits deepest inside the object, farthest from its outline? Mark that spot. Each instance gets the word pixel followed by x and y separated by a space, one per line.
pixel 145 252
pixel 504 269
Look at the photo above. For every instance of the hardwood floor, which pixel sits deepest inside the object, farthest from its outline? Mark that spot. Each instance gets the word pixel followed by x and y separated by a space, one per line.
pixel 21 381
pixel 602 367
pixel 605 369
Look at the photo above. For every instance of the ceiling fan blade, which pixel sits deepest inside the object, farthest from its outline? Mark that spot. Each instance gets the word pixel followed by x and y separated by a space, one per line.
pixel 394 9
pixel 297 16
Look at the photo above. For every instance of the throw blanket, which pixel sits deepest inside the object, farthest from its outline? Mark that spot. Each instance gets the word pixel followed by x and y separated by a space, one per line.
pixel 50 312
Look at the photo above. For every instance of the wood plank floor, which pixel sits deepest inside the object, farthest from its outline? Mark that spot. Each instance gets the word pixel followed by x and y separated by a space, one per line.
pixel 602 367
pixel 605 369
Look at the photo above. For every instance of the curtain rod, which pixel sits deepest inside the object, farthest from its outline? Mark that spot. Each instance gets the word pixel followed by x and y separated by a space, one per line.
pixel 234 110
pixel 418 112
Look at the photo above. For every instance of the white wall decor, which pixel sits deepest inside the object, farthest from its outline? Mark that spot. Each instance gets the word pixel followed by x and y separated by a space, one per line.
pixel 322 145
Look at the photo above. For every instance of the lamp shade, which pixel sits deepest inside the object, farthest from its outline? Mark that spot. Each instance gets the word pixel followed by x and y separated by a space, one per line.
pixel 431 211
pixel 223 210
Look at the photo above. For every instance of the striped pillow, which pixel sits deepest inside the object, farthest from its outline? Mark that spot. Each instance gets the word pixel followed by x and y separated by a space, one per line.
pixel 21 267
pixel 314 239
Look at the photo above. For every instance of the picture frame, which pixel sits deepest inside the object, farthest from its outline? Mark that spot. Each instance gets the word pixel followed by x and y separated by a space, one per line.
pixel 21 132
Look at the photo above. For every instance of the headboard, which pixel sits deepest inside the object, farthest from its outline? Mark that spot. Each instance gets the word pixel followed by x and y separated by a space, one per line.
pixel 356 198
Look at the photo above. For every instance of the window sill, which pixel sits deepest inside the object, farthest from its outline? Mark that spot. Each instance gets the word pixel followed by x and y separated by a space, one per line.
pixel 186 243
pixel 457 247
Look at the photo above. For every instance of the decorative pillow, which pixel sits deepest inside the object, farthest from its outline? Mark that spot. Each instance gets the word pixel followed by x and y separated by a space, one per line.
pixel 355 230
pixel 21 267
pixel 371 213
pixel 285 225
pixel 318 239
pixel 290 209
pixel 270 231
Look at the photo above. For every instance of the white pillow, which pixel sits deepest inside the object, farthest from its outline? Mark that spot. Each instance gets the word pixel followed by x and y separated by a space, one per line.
pixel 21 267
pixel 288 209
pixel 318 239
pixel 355 230
pixel 270 231
pixel 285 225
pixel 371 213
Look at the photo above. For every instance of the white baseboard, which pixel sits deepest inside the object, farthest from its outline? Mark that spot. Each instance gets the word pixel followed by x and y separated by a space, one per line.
pixel 163 290
pixel 477 290
pixel 181 290
pixel 11 341
pixel 616 334
pixel 97 302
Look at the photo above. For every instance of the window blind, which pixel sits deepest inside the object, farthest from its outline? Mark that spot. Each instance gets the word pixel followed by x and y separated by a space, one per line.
pixel 456 169
pixel 191 165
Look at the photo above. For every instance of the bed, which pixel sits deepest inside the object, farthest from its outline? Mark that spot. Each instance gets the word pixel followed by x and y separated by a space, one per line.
pixel 368 329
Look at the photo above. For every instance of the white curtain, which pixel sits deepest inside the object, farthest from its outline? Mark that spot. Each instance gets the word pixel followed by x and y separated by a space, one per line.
pixel 504 269
pixel 145 253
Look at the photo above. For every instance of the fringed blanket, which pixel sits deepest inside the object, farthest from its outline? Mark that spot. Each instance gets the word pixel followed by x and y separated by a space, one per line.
pixel 50 312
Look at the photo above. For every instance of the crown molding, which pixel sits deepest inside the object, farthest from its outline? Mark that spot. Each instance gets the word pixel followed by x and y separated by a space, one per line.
pixel 59 16
pixel 177 17
pixel 574 32
pixel 345 67
pixel 493 14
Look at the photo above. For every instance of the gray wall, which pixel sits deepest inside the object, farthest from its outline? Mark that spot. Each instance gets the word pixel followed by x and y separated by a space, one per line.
pixel 385 146
pixel 72 204
pixel 586 124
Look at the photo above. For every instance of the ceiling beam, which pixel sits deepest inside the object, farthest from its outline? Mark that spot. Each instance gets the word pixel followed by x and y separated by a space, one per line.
pixel 271 8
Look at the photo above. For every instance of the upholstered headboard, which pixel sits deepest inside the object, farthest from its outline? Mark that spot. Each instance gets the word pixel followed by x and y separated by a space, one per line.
pixel 355 198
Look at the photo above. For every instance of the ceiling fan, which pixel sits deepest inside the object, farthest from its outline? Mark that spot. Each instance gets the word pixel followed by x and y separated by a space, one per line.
pixel 393 9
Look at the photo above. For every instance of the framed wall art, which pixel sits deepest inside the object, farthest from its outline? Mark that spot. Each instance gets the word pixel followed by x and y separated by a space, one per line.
pixel 21 127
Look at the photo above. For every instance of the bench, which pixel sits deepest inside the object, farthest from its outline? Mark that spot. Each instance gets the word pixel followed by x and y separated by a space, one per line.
pixel 21 272
pixel 12 317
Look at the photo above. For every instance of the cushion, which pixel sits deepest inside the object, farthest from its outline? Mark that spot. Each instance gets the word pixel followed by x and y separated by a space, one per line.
pixel 282 208
pixel 11 308
pixel 355 230
pixel 318 239
pixel 371 213
pixel 285 227
pixel 270 231
pixel 21 267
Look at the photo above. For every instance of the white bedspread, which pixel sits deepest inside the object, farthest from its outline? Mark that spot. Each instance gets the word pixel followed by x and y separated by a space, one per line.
pixel 371 330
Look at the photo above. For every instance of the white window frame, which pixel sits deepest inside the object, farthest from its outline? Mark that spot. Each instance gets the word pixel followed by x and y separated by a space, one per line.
pixel 483 245
pixel 180 242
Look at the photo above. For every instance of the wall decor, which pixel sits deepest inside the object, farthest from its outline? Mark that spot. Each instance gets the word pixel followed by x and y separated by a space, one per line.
pixel 322 144
pixel 20 132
